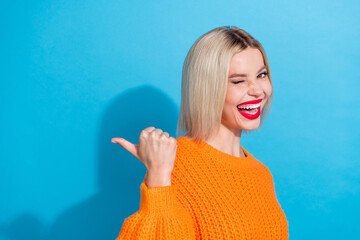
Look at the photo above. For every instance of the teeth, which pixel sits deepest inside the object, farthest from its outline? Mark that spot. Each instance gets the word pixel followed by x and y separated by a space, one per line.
pixel 250 106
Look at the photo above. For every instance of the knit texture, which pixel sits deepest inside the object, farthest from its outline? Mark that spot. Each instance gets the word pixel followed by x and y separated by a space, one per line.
pixel 213 195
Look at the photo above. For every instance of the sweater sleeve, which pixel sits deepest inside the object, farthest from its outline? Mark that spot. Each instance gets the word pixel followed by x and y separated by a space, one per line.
pixel 161 216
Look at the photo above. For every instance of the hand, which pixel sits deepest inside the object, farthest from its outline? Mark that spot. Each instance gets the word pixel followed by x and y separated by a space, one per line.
pixel 157 151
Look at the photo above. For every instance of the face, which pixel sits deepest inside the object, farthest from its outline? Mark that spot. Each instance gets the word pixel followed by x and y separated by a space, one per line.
pixel 248 81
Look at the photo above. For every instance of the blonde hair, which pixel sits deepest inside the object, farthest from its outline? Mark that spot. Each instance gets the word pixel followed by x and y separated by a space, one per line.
pixel 204 80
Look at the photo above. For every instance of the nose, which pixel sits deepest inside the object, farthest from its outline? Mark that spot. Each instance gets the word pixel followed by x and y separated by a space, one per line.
pixel 255 89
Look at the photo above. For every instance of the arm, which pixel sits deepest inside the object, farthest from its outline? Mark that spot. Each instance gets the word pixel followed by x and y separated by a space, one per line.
pixel 160 216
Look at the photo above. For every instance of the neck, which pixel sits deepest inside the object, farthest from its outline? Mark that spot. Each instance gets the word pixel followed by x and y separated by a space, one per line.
pixel 226 140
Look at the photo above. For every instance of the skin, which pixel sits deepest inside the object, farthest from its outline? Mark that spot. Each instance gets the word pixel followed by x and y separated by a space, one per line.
pixel 157 150
pixel 241 89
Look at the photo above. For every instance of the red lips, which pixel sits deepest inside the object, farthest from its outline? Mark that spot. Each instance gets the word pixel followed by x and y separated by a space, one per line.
pixel 248 115
pixel 251 102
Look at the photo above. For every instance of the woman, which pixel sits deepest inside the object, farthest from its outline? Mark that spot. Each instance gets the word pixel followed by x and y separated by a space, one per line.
pixel 204 185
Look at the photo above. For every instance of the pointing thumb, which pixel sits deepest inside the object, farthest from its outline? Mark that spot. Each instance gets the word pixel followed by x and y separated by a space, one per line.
pixel 132 148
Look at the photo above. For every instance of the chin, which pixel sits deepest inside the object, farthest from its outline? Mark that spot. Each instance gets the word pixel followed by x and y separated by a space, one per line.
pixel 249 127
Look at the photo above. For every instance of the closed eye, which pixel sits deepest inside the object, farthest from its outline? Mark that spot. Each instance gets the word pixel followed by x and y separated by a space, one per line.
pixel 237 82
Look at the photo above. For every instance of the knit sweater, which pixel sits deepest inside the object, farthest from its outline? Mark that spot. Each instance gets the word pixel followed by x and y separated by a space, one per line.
pixel 213 195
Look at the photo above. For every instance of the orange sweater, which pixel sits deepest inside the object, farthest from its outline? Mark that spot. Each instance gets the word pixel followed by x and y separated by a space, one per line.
pixel 213 195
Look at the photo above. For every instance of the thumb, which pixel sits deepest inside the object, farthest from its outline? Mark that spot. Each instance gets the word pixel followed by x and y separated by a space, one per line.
pixel 132 148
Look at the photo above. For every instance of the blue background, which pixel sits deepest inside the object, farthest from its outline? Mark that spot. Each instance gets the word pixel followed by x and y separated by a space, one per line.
pixel 75 74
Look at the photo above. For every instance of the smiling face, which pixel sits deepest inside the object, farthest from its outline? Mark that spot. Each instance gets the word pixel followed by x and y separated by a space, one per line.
pixel 248 81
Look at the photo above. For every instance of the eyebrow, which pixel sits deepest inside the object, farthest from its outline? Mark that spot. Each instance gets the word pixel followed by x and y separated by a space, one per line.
pixel 244 75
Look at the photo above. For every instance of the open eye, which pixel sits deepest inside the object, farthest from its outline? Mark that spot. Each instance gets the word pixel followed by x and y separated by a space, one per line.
pixel 263 74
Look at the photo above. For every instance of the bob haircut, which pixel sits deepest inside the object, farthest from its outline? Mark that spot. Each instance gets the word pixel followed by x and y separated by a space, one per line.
pixel 205 78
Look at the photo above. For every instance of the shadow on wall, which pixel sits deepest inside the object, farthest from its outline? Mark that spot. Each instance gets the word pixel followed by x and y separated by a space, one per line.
pixel 120 174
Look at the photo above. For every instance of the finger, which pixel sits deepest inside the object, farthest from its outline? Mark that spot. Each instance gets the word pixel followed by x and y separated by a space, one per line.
pixel 149 129
pixel 132 148
pixel 173 140
pixel 158 131
pixel 165 134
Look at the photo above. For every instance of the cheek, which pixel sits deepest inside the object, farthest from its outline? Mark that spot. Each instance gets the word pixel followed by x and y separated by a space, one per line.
pixel 231 95
pixel 267 88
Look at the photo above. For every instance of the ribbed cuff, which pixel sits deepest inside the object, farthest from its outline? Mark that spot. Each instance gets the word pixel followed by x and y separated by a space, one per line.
pixel 158 200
